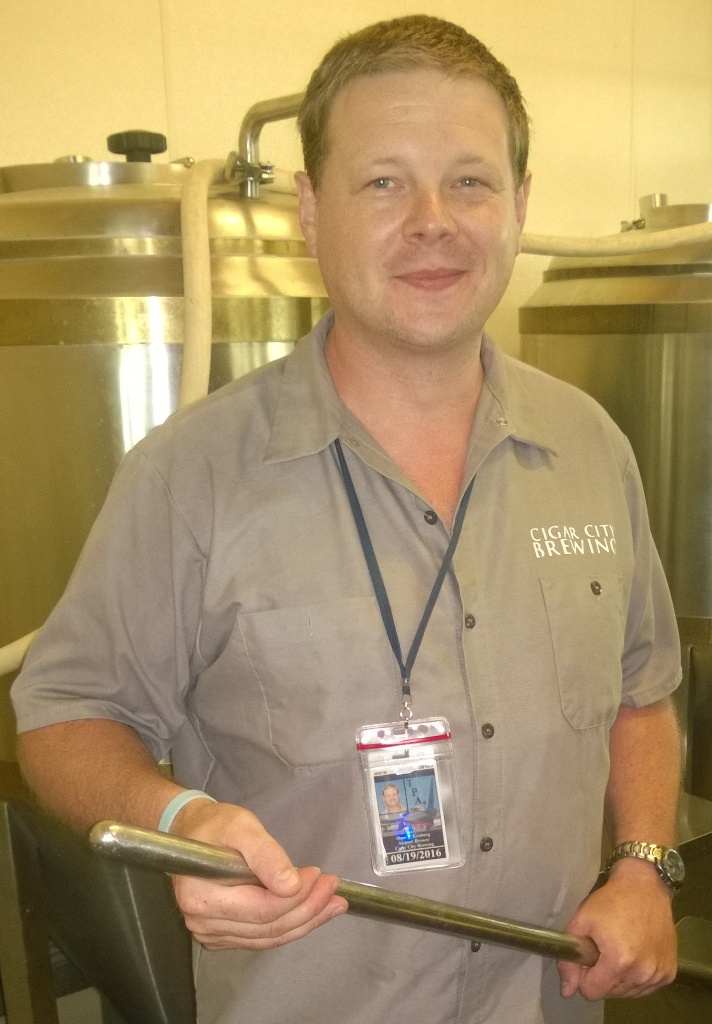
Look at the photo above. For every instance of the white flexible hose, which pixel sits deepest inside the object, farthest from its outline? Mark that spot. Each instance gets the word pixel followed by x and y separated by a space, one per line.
pixel 12 656
pixel 618 245
pixel 197 285
pixel 197 290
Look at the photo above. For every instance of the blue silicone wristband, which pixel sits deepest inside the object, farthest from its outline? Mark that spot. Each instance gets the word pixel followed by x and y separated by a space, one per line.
pixel 177 804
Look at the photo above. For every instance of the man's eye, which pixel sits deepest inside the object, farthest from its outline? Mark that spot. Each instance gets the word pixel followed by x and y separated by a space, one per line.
pixel 470 182
pixel 382 182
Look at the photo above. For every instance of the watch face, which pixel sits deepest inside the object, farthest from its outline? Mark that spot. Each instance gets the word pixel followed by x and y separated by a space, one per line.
pixel 674 867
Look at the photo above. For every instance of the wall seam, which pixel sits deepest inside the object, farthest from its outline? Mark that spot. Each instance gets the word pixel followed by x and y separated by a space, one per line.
pixel 167 105
pixel 632 172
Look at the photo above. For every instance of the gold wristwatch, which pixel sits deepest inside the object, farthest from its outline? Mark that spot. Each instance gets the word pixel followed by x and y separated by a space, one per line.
pixel 666 861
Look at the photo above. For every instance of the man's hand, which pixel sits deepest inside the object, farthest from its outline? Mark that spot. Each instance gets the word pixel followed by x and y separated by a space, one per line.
pixel 293 902
pixel 630 920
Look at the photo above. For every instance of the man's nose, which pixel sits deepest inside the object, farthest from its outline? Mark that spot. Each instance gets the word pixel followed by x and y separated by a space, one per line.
pixel 429 217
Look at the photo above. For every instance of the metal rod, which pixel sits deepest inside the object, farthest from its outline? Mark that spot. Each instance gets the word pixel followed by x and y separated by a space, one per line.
pixel 400 908
pixel 173 854
pixel 162 852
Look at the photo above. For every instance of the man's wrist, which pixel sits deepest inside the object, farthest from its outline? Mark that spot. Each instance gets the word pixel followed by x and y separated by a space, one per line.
pixel 176 807
pixel 639 873
pixel 188 820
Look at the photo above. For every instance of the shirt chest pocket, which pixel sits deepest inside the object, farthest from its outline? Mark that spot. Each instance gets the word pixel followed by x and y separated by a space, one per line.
pixel 586 617
pixel 323 670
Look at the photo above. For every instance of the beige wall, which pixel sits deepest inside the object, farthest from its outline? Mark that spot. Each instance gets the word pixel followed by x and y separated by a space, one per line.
pixel 620 91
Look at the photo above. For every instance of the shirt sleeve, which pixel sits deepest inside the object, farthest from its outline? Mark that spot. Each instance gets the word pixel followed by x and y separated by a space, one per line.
pixel 651 658
pixel 120 643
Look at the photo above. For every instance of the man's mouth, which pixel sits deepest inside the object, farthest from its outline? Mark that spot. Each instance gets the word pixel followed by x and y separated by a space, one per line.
pixel 432 278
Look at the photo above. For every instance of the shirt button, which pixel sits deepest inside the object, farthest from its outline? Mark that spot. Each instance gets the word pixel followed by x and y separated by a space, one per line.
pixel 502 421
pixel 430 517
pixel 486 844
pixel 596 587
pixel 475 947
pixel 470 621
pixel 488 731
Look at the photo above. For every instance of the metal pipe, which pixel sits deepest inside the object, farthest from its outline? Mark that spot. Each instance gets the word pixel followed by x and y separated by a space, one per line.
pixel 160 851
pixel 260 114
pixel 163 852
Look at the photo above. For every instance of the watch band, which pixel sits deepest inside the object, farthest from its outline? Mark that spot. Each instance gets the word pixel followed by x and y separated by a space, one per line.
pixel 666 860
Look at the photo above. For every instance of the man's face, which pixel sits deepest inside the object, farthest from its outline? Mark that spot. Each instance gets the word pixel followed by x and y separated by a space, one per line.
pixel 391 796
pixel 417 218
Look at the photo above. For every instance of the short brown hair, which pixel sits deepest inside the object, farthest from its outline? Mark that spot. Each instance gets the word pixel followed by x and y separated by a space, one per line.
pixel 406 44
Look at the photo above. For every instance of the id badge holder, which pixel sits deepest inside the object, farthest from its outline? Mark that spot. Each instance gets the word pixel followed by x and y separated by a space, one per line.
pixel 410 794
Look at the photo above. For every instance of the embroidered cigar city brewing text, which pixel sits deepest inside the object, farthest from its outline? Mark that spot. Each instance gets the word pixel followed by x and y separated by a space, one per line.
pixel 592 539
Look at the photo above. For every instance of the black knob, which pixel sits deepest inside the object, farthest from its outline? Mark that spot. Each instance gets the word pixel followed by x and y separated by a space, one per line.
pixel 137 146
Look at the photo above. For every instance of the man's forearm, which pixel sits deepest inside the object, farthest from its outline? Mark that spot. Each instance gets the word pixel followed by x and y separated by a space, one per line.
pixel 630 918
pixel 92 769
pixel 644 782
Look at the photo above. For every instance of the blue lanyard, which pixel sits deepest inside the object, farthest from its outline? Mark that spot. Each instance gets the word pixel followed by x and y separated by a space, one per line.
pixel 384 604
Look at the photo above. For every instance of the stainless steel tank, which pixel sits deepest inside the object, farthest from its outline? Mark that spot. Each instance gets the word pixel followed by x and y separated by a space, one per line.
pixel 91 322
pixel 635 332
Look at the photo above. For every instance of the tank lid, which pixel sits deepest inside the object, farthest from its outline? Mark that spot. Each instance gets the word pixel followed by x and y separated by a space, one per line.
pixel 656 215
pixel 66 173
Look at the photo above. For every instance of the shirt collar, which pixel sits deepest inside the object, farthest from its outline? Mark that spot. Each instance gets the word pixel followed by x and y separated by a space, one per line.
pixel 309 414
pixel 510 399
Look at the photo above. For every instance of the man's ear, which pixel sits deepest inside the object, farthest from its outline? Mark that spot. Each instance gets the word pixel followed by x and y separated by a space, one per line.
pixel 521 201
pixel 307 210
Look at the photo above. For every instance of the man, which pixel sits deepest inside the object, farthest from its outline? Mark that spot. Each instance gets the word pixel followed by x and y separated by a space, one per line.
pixel 223 609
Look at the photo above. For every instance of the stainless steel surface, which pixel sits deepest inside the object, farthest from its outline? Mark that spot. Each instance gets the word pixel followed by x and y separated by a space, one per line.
pixel 659 216
pixel 84 171
pixel 91 325
pixel 694 936
pixel 636 333
pixel 164 852
pixel 700 719
pixel 119 927
pixel 25 965
pixel 653 202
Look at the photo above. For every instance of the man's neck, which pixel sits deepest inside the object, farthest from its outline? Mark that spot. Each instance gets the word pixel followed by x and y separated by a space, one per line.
pixel 419 407
pixel 423 381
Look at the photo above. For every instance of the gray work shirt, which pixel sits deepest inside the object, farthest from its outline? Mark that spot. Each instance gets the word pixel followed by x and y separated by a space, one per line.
pixel 222 607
